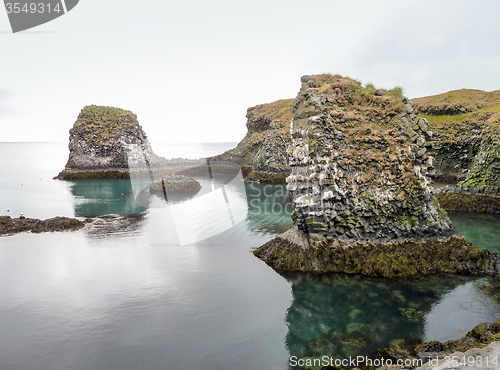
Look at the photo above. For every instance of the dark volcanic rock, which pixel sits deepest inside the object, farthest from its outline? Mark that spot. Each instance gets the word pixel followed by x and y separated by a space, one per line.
pixel 10 225
pixel 363 201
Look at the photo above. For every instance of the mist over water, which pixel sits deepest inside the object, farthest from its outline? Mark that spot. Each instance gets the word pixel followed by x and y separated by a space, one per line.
pixel 123 293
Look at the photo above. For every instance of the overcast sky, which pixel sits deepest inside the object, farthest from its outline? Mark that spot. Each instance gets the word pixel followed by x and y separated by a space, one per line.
pixel 190 69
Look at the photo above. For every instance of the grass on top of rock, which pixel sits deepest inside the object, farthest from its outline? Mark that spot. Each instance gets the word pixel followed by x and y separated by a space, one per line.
pixel 101 115
pixel 358 94
pixel 456 113
pixel 101 123
pixel 277 112
pixel 466 97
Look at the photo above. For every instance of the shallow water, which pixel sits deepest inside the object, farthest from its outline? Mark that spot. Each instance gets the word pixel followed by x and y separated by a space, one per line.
pixel 127 292
pixel 482 230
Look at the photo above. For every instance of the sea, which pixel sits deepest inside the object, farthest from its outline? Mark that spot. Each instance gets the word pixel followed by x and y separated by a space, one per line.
pixel 173 284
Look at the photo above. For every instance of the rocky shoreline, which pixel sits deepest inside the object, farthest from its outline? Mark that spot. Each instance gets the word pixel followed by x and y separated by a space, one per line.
pixel 357 161
pixel 10 226
pixel 484 336
pixel 468 352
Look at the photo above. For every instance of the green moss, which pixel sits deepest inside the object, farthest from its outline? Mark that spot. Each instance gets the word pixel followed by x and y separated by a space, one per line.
pixel 396 259
pixel 463 96
pixel 468 202
pixel 480 179
pixel 94 114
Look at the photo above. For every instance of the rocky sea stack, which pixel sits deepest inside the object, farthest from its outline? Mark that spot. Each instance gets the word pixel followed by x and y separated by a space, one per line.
pixel 363 202
pixel 103 140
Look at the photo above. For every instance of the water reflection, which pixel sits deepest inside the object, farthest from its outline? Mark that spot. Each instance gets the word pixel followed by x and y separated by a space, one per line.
pixel 342 316
pixel 104 197
pixel 117 226
pixel 267 208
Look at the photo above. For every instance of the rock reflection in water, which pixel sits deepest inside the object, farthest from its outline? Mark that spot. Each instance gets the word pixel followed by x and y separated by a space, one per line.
pixel 123 226
pixel 101 197
pixel 104 197
pixel 342 316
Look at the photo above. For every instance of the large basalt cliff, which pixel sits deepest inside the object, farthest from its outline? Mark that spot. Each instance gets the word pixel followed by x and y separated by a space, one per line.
pixel 102 142
pixel 363 202
pixel 465 123
pixel 262 152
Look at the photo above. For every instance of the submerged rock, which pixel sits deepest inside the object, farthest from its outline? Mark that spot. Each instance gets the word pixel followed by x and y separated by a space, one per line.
pixel 174 184
pixel 363 201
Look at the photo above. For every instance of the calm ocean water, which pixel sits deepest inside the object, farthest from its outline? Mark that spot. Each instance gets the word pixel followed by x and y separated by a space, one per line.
pixel 177 287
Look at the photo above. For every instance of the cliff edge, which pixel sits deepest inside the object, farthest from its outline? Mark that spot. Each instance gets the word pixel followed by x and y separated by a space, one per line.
pixel 465 123
pixel 262 152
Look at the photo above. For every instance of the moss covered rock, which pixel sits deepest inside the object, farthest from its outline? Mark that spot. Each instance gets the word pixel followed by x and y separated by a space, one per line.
pixel 103 142
pixel 399 258
pixel 459 200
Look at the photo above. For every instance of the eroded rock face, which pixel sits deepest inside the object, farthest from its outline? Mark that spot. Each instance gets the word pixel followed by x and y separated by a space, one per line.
pixel 464 122
pixel 102 142
pixel 359 169
pixel 359 163
pixel 262 152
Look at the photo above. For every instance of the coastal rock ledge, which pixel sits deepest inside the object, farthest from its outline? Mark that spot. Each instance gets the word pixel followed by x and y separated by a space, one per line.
pixel 362 200
pixel 102 143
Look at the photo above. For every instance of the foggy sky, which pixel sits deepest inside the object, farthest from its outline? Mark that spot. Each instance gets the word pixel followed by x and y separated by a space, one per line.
pixel 190 69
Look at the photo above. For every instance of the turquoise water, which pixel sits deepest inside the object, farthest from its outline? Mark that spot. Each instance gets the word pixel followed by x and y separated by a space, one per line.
pixel 158 286
pixel 482 230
